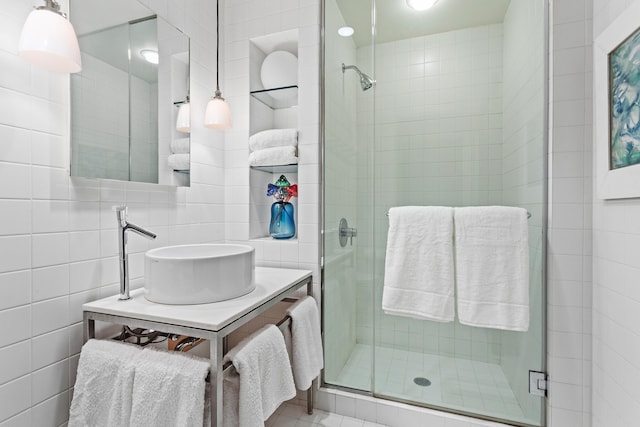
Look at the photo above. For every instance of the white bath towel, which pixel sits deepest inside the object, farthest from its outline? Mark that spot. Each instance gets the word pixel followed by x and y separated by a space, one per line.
pixel 273 138
pixel 168 389
pixel 419 277
pixel 179 162
pixel 180 146
pixel 306 342
pixel 492 267
pixel 274 156
pixel 265 378
pixel 104 384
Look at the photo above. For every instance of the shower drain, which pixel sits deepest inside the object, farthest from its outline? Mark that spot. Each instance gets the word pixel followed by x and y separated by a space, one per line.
pixel 422 382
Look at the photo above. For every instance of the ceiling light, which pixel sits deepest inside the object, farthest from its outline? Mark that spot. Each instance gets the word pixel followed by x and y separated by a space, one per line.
pixel 151 56
pixel 421 4
pixel 49 41
pixel 217 114
pixel 346 31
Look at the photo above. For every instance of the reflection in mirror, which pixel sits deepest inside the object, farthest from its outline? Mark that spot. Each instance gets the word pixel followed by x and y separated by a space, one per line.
pixel 123 112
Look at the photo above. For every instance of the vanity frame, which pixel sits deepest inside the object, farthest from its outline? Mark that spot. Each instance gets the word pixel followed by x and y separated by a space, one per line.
pixel 103 310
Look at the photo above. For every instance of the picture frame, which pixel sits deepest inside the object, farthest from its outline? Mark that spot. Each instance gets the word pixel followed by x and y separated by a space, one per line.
pixel 617 170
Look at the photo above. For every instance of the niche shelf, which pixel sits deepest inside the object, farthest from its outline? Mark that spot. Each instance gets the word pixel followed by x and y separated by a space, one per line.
pixel 278 97
pixel 277 168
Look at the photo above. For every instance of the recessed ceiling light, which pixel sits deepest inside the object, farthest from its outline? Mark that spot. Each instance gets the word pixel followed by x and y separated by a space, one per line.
pixel 421 4
pixel 345 31
pixel 150 56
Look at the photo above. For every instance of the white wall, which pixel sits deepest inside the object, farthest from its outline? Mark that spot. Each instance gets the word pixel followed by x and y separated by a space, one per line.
pixel 616 296
pixel 569 228
pixel 58 243
pixel 245 20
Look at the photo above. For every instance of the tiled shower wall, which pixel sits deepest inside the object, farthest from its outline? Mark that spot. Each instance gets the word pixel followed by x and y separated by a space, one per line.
pixel 438 142
pixel 341 194
pixel 58 241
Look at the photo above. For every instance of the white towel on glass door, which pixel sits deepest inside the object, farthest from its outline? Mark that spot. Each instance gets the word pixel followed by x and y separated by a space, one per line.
pixel 168 389
pixel 492 267
pixel 104 384
pixel 419 277
pixel 179 162
pixel 180 146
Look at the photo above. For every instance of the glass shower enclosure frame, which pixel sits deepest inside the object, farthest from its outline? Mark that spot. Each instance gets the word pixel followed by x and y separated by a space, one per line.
pixel 485 90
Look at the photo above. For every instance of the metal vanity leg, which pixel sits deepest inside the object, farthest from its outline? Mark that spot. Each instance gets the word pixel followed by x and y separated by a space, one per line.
pixel 88 328
pixel 216 378
pixel 313 383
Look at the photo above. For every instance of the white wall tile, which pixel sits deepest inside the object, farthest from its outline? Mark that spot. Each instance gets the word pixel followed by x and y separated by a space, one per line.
pixel 50 249
pixel 15 289
pixel 15 253
pixel 49 315
pixel 16 361
pixel 15 397
pixel 50 282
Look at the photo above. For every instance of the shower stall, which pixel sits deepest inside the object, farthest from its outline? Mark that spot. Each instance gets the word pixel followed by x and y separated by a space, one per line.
pixel 442 107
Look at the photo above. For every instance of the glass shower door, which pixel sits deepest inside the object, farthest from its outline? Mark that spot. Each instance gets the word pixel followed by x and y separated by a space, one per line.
pixel 456 117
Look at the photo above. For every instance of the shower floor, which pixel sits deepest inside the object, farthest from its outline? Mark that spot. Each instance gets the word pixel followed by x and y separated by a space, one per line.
pixel 459 384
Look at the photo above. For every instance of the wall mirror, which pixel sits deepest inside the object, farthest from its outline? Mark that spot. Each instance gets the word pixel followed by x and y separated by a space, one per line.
pixel 126 100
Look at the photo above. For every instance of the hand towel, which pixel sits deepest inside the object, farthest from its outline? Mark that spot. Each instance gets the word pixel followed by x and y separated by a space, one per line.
pixel 168 389
pixel 265 379
pixel 180 146
pixel 104 384
pixel 306 342
pixel 274 156
pixel 419 277
pixel 492 267
pixel 273 138
pixel 179 162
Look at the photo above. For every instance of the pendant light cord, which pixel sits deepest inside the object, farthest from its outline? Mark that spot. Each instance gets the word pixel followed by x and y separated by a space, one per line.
pixel 218 93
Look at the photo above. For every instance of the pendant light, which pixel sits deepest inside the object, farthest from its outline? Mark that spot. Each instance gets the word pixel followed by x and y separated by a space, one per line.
pixel 49 41
pixel 217 114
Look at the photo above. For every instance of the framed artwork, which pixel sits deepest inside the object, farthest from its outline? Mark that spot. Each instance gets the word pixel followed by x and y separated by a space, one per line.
pixel 617 107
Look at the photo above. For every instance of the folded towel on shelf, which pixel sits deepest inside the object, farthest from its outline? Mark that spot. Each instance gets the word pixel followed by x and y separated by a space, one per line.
pixel 419 275
pixel 168 389
pixel 306 342
pixel 492 267
pixel 264 377
pixel 179 162
pixel 273 138
pixel 180 146
pixel 274 156
pixel 104 384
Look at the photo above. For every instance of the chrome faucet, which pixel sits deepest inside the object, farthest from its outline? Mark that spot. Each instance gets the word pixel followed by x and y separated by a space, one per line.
pixel 123 227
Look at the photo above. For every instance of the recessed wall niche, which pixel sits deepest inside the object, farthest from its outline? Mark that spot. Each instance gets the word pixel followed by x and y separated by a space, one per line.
pixel 273 105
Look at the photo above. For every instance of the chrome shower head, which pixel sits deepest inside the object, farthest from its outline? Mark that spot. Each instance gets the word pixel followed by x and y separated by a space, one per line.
pixel 366 82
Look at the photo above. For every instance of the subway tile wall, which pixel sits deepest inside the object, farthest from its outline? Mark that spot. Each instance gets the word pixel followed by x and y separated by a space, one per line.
pixel 616 300
pixel 569 228
pixel 58 242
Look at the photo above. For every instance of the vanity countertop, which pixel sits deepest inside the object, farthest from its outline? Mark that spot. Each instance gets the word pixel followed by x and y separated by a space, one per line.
pixel 270 282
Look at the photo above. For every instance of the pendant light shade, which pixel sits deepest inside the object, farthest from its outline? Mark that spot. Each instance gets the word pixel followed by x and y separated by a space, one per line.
pixel 49 41
pixel 183 122
pixel 217 115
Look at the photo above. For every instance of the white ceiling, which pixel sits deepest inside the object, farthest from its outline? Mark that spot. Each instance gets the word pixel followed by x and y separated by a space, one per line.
pixel 396 21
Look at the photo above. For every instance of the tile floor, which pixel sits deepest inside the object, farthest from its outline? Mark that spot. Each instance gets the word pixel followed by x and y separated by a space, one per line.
pixel 459 384
pixel 291 415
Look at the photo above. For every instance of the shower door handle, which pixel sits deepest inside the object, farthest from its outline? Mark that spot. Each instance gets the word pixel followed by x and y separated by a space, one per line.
pixel 345 232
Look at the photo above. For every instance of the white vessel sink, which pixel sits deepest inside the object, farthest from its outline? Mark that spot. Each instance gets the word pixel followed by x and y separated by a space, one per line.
pixel 199 274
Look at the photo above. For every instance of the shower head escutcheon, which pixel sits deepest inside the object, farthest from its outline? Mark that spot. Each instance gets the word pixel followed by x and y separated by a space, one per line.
pixel 366 82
